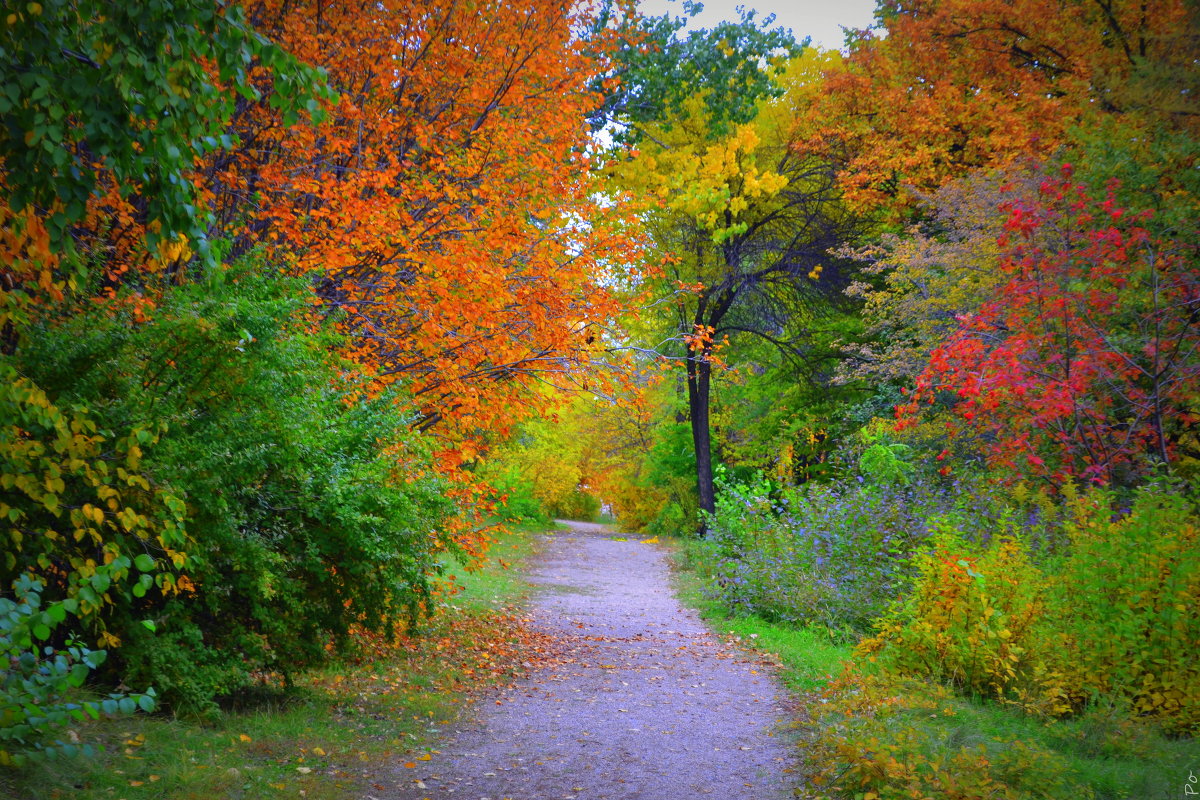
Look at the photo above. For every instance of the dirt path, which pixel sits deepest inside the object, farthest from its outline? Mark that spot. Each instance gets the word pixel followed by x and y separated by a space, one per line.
pixel 645 702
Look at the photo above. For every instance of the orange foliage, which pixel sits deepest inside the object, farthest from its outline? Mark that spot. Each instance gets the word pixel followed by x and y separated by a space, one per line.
pixel 444 206
pixel 444 209
pixel 962 84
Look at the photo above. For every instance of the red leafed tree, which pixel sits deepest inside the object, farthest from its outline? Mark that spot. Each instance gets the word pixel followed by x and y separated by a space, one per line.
pixel 1085 364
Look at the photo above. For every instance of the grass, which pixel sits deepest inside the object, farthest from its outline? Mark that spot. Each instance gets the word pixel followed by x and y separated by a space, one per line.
pixel 809 657
pixel 1102 753
pixel 1113 754
pixel 340 733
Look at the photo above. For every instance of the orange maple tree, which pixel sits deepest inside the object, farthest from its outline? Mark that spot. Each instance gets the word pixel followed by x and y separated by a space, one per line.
pixel 443 208
pixel 956 85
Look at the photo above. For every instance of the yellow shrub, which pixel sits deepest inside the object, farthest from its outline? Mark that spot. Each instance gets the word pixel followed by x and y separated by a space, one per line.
pixel 1128 597
pixel 974 618
pixel 1116 616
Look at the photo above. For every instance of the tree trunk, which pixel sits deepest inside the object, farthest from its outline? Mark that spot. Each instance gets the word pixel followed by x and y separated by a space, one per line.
pixel 699 374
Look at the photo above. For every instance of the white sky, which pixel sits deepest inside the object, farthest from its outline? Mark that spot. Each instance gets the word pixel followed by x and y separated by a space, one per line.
pixel 816 18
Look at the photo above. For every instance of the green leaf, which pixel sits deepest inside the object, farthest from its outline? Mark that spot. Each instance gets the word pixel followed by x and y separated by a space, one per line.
pixel 144 562
pixel 79 673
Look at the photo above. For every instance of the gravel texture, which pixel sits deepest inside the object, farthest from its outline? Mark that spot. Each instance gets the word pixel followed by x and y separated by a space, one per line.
pixel 641 701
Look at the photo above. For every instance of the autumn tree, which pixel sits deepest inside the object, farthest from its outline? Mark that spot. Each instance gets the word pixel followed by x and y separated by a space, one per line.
pixel 421 259
pixel 917 283
pixel 1084 364
pixel 443 208
pixel 958 85
pixel 745 223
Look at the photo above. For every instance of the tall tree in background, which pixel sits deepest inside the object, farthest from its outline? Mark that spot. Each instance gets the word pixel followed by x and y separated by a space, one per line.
pixel 957 85
pixel 744 222
pixel 1086 361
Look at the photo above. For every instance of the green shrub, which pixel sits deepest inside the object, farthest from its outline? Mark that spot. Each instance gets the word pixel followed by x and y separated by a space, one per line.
pixel 310 500
pixel 514 496
pixel 40 684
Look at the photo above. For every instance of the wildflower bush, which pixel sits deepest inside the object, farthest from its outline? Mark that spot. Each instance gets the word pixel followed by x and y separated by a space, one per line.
pixel 1018 644
pixel 832 554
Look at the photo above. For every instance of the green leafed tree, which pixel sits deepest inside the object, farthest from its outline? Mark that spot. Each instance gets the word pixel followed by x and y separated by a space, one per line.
pixel 745 225
pixel 658 68
pixel 98 96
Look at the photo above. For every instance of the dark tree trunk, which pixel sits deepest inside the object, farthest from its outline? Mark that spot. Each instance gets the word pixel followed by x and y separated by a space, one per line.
pixel 699 375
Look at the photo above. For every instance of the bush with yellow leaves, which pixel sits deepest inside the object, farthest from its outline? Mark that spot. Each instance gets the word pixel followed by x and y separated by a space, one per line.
pixel 1116 615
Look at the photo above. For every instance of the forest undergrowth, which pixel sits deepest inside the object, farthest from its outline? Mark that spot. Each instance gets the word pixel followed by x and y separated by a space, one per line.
pixel 338 732
pixel 945 646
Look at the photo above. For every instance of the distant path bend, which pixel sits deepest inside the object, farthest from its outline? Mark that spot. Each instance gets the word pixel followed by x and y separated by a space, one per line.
pixel 646 704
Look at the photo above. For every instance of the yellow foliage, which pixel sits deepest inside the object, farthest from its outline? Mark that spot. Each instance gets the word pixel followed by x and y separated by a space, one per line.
pixel 73 519
pixel 1117 616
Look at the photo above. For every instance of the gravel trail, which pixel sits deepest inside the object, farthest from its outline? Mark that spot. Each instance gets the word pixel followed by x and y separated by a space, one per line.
pixel 642 702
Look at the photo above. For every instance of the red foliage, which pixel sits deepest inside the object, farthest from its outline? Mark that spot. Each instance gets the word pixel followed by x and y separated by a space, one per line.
pixel 1085 364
